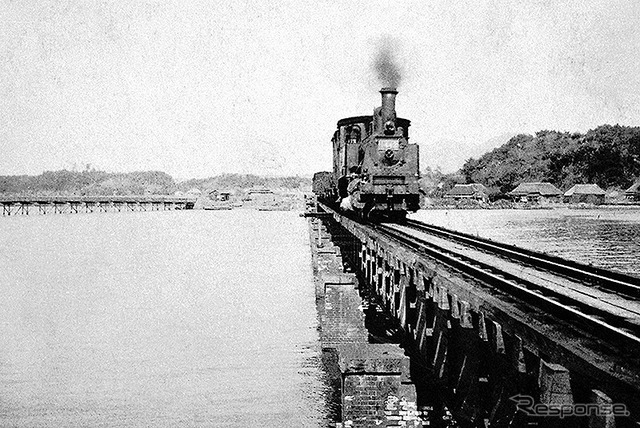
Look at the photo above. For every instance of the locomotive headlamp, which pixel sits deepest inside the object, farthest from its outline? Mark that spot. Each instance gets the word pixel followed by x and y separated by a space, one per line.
pixel 388 154
pixel 389 127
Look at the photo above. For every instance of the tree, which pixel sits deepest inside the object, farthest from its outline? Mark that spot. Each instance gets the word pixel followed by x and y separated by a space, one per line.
pixel 608 156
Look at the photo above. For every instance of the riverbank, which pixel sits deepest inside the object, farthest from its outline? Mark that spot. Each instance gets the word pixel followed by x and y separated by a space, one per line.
pixel 467 204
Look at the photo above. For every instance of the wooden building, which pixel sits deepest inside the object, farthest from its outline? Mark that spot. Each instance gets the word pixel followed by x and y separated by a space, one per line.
pixel 585 193
pixel 220 195
pixel 536 192
pixel 260 196
pixel 633 192
pixel 474 191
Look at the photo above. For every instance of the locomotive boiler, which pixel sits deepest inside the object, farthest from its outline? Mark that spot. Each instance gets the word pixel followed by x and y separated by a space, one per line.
pixel 375 167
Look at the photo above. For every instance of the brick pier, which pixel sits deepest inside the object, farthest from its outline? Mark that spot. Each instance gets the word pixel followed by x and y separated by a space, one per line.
pixel 371 380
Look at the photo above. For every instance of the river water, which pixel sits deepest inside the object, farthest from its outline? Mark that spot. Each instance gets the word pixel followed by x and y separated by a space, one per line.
pixel 202 318
pixel 605 237
pixel 159 319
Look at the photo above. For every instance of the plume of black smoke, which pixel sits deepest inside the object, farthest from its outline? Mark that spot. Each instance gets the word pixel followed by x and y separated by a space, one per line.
pixel 386 67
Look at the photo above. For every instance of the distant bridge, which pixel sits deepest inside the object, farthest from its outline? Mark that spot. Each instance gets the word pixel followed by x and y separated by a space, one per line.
pixel 23 205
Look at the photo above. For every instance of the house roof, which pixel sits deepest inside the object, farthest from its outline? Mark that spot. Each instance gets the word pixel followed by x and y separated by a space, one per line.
pixel 633 189
pixel 585 189
pixel 544 189
pixel 467 189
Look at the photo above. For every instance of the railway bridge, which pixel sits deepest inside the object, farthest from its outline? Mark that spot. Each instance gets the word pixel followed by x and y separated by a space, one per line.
pixel 25 205
pixel 425 326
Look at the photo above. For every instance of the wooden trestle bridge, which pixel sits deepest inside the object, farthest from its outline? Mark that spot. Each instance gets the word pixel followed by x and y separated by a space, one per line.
pixel 25 205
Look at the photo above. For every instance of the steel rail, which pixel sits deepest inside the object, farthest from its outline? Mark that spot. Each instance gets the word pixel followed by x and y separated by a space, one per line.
pixel 612 281
pixel 607 325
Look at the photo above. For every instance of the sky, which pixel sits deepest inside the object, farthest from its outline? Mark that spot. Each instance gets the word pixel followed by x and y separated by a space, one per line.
pixel 199 88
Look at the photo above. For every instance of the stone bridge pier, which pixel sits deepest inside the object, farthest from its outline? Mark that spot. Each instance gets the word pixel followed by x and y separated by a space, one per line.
pixel 370 378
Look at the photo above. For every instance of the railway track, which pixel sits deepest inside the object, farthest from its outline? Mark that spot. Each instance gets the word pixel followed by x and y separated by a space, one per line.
pixel 614 281
pixel 603 302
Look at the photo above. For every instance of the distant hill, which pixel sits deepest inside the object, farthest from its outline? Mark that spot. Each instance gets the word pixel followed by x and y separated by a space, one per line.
pixel 608 156
pixel 89 182
pixel 244 181
pixel 93 183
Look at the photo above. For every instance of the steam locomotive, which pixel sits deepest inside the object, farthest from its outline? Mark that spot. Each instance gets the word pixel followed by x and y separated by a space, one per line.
pixel 375 168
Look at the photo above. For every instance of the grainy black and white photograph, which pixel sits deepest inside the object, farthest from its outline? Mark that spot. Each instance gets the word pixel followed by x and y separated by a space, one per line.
pixel 319 213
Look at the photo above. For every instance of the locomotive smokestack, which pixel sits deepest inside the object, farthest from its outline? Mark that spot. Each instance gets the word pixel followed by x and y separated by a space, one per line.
pixel 388 111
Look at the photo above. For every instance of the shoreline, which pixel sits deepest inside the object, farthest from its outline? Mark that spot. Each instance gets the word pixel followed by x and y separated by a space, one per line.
pixel 516 206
